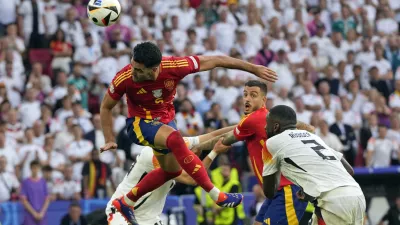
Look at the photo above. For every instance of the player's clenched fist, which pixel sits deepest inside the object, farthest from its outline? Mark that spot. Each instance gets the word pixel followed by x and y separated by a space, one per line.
pixel 265 73
pixel 108 146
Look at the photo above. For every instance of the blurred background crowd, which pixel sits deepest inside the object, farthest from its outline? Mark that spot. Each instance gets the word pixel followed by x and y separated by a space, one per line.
pixel 337 61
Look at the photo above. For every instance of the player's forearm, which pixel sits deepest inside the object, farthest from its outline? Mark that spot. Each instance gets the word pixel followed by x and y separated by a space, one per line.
pixel 229 139
pixel 233 63
pixel 303 126
pixel 106 124
pixel 205 137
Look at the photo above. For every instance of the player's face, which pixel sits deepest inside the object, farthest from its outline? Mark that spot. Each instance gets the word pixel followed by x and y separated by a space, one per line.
pixel 141 73
pixel 271 128
pixel 253 99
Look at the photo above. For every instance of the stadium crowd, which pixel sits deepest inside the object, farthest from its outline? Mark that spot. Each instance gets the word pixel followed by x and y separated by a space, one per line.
pixel 338 63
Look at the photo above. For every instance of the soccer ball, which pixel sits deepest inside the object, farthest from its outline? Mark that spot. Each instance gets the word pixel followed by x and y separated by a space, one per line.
pixel 103 12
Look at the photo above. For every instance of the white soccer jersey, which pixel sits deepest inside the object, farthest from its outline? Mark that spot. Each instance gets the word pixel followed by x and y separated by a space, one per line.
pixel 150 206
pixel 307 161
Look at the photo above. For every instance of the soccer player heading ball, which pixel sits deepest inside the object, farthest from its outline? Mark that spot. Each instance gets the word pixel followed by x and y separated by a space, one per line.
pixel 149 83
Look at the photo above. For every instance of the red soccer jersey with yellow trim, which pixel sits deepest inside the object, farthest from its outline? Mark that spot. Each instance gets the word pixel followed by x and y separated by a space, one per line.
pixel 153 100
pixel 251 130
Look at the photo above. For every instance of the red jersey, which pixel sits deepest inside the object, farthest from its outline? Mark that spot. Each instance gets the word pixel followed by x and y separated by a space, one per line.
pixel 153 100
pixel 251 129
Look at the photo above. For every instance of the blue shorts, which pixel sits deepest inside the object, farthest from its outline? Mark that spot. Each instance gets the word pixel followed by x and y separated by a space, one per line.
pixel 284 209
pixel 143 132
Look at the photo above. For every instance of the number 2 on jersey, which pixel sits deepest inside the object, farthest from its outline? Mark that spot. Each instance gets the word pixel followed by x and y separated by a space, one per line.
pixel 317 148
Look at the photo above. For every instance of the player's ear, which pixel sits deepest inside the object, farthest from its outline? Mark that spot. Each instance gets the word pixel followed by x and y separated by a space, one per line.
pixel 277 127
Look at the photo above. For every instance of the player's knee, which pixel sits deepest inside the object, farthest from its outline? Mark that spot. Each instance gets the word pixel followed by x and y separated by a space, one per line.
pixel 175 140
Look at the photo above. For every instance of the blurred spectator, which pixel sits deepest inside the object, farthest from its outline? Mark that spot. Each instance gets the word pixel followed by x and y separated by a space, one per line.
pixel 205 105
pixel 68 188
pixel 37 78
pixel 65 137
pixel 9 185
pixel 72 29
pixel 88 55
pixel 106 66
pixel 82 117
pixel 350 117
pixel 394 99
pixel 12 39
pixel 223 31
pixel 377 82
pixel 312 100
pixel 264 56
pixel 226 94
pixel 78 151
pixel 10 154
pixel 28 153
pixel 30 108
pixel 55 159
pixel 346 135
pixel 235 114
pixel 61 50
pixel 197 94
pixel 32 23
pixel 380 149
pixel 38 133
pixel 347 21
pixel 50 181
pixel 214 118
pixel 189 121
pixel 281 67
pixel 303 115
pixel 95 175
pixel 329 138
pixel 74 216
pixel 35 197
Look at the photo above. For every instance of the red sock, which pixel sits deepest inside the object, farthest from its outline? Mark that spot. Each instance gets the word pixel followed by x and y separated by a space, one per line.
pixel 150 182
pixel 188 160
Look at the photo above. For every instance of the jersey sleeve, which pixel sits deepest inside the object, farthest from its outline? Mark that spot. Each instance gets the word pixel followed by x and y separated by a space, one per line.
pixel 271 165
pixel 179 67
pixel 244 129
pixel 117 87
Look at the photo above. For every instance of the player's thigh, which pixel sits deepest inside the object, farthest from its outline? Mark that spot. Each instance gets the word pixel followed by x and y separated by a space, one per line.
pixel 149 132
pixel 116 219
pixel 285 208
pixel 262 212
pixel 167 162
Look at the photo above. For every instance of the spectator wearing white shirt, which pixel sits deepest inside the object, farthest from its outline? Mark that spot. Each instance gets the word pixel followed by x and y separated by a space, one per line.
pixel 9 13
pixel 118 117
pixel 31 12
pixel 225 93
pixel 243 46
pixel 15 129
pixel 9 184
pixel 196 95
pixel 303 115
pixel 13 83
pixel 50 8
pixel 189 121
pixel 281 67
pixel 205 105
pixel 224 32
pixel 37 77
pixel 350 117
pixel 321 40
pixel 65 111
pixel 198 48
pixel 356 97
pixel 55 159
pixel 120 47
pixel 185 13
pixel 352 42
pixel 380 149
pixel 73 29
pixel 200 28
pixel 38 133
pixel 60 90
pixel 107 66
pixel 333 100
pixel 283 99
pixel 82 117
pixel 254 30
pixel 13 40
pixel 68 188
pixel 78 151
pixel 385 23
pixel 318 61
pixel 235 114
pixel 29 152
pixel 394 99
pixel 312 101
pixel 65 137
pixel 12 160
pixel 30 108
pixel 338 49
pixel 329 138
pixel 88 55
pixel 179 37
pixel 383 65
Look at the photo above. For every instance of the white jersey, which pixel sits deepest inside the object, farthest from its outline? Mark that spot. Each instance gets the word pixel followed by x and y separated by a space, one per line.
pixel 307 161
pixel 150 206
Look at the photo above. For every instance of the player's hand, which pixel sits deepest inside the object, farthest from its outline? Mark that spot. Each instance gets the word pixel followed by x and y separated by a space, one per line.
pixel 221 148
pixel 108 146
pixel 265 73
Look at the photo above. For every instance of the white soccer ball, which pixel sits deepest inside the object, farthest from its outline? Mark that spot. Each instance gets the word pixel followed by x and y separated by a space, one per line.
pixel 103 12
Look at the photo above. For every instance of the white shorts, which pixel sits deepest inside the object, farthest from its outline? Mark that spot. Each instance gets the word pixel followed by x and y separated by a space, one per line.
pixel 118 219
pixel 342 206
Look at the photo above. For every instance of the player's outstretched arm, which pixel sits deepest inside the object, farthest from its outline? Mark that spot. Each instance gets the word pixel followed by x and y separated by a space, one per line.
pixel 211 62
pixel 187 179
pixel 228 139
pixel 205 137
pixel 106 122
pixel 303 126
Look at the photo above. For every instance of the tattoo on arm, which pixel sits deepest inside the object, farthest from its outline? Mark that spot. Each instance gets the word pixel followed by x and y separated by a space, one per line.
pixel 229 139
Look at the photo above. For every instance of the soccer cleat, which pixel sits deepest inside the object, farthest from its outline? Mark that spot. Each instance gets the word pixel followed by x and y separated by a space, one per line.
pixel 229 200
pixel 125 210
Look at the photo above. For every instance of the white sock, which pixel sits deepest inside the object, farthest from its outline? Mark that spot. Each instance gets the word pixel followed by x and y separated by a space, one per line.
pixel 191 141
pixel 128 201
pixel 214 193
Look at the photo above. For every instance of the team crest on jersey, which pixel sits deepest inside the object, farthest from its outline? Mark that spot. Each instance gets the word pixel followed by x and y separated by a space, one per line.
pixel 157 93
pixel 169 84
pixel 112 88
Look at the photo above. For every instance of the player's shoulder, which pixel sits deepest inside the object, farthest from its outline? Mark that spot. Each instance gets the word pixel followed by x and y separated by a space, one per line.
pixel 122 75
pixel 255 117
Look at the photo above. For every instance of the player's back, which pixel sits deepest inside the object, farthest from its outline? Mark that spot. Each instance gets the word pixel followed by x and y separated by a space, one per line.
pixel 308 162
pixel 149 206
pixel 153 99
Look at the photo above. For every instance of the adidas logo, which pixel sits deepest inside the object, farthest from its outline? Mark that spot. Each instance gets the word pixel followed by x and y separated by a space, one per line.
pixel 141 91
pixel 196 168
pixel 228 205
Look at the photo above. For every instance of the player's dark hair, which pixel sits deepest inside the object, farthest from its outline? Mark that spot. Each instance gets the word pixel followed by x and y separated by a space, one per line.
pixel 257 83
pixel 147 53
pixel 284 115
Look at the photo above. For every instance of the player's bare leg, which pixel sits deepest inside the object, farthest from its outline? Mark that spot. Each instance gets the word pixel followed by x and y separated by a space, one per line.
pixel 181 156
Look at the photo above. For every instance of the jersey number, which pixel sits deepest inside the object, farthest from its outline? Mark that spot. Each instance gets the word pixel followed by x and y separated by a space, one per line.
pixel 317 148
pixel 159 100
